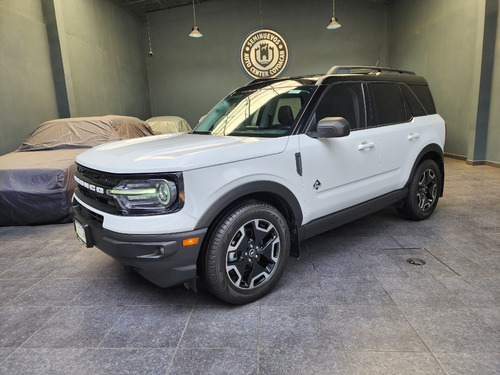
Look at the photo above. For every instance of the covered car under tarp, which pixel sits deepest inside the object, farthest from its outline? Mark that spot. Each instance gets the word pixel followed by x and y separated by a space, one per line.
pixel 168 124
pixel 36 180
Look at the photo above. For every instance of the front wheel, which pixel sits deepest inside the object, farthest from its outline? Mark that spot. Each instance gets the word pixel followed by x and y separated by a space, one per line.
pixel 423 191
pixel 247 253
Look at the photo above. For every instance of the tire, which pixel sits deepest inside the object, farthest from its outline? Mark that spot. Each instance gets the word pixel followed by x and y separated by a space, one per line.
pixel 247 253
pixel 423 191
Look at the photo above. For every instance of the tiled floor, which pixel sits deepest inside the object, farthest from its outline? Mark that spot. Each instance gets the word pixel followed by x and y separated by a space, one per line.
pixel 351 305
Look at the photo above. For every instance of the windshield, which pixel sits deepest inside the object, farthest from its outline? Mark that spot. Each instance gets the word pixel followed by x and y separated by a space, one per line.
pixel 269 111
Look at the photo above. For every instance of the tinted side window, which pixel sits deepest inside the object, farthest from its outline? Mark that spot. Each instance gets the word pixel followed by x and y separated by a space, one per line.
pixel 387 105
pixel 415 106
pixel 343 100
pixel 424 95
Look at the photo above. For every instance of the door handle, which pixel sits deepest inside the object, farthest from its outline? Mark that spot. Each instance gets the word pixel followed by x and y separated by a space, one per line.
pixel 413 136
pixel 366 145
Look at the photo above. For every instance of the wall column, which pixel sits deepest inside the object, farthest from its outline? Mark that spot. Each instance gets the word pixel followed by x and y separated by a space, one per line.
pixel 53 17
pixel 478 138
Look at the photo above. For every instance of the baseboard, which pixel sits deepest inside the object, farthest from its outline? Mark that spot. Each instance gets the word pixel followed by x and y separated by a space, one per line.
pixel 473 162
pixel 454 156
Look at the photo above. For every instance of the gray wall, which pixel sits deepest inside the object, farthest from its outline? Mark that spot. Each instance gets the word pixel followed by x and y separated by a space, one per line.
pixel 187 76
pixel 493 139
pixel 27 95
pixel 95 56
pixel 444 41
pixel 104 52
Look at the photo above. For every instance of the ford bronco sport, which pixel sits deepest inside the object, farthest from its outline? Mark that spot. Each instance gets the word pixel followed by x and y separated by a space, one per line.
pixel 274 163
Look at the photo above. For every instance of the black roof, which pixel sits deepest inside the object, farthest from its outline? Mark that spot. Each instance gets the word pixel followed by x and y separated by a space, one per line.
pixel 346 74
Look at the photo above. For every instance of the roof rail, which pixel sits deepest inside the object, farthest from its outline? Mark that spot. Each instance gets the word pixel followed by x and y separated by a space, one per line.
pixel 347 69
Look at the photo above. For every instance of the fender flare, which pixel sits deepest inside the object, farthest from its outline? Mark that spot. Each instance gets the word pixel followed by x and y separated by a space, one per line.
pixel 436 153
pixel 254 188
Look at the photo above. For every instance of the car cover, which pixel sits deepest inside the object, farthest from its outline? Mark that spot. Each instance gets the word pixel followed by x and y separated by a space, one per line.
pixel 84 132
pixel 37 187
pixel 168 124
pixel 36 180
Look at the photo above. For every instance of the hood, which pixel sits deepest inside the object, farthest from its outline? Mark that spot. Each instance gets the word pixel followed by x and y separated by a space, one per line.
pixel 177 152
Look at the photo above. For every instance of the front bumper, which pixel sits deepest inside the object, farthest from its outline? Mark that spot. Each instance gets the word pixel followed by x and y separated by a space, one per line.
pixel 160 258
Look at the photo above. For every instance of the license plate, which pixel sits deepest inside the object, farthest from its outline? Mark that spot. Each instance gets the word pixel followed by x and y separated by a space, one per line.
pixel 80 232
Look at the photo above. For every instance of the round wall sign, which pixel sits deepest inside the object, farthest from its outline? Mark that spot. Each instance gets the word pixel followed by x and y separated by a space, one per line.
pixel 264 54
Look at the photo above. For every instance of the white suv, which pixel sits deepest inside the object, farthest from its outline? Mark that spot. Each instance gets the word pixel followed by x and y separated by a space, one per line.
pixel 276 162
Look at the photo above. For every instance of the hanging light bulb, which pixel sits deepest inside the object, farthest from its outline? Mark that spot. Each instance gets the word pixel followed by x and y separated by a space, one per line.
pixel 149 37
pixel 195 32
pixel 334 23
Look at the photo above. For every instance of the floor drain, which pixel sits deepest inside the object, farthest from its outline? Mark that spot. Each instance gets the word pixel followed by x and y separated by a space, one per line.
pixel 416 261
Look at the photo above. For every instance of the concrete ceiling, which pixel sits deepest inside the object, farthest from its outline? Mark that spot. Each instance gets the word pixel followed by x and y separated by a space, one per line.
pixel 141 7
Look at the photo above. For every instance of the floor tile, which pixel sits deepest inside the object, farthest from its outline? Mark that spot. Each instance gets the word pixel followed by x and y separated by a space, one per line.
pixel 148 327
pixel 375 328
pixel 109 291
pixel 52 292
pixel 34 268
pixel 18 324
pixel 154 295
pixel 4 353
pixel 90 263
pixel 302 362
pixel 47 362
pixel 76 327
pixel 129 361
pixel 214 361
pixel 87 361
pixel 393 363
pixel 354 290
pixel 297 327
pixel 380 264
pixel 475 291
pixel 490 315
pixel 451 330
pixel 422 291
pixel 21 249
pixel 223 327
pixel 298 286
pixel 12 288
pixel 470 363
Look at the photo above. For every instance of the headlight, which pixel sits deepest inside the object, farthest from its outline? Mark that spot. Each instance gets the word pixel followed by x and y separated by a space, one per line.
pixel 154 196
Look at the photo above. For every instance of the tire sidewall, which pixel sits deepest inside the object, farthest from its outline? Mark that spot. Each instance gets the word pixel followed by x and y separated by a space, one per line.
pixel 412 210
pixel 220 284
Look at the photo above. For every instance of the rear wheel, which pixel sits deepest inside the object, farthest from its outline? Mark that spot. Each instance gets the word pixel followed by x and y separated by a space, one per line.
pixel 423 191
pixel 247 253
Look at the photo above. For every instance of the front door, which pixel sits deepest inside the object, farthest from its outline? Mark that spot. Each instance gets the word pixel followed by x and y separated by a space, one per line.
pixel 338 173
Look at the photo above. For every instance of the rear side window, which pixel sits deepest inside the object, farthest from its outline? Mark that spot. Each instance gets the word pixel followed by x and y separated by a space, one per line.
pixel 424 95
pixel 387 104
pixel 415 106
pixel 343 100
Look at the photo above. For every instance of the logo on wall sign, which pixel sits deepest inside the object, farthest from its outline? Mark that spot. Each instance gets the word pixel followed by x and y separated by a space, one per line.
pixel 264 54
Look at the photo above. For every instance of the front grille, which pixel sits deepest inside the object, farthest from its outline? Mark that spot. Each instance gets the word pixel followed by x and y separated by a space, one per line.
pixel 94 187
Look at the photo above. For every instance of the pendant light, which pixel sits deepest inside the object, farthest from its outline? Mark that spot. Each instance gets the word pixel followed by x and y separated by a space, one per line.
pixel 195 32
pixel 149 37
pixel 334 23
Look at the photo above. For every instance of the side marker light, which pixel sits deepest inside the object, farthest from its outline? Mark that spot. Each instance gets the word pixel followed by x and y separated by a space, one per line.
pixel 190 241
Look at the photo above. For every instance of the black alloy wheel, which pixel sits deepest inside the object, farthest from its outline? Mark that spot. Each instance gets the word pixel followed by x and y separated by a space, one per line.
pixel 423 191
pixel 247 253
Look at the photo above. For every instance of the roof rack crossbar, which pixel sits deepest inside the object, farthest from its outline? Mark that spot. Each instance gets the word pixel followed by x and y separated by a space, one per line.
pixel 346 69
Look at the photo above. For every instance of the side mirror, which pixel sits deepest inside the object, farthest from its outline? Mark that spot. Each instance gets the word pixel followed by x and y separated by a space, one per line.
pixel 332 127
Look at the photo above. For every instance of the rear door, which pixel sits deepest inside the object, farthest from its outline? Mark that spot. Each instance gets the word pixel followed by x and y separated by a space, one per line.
pixel 401 134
